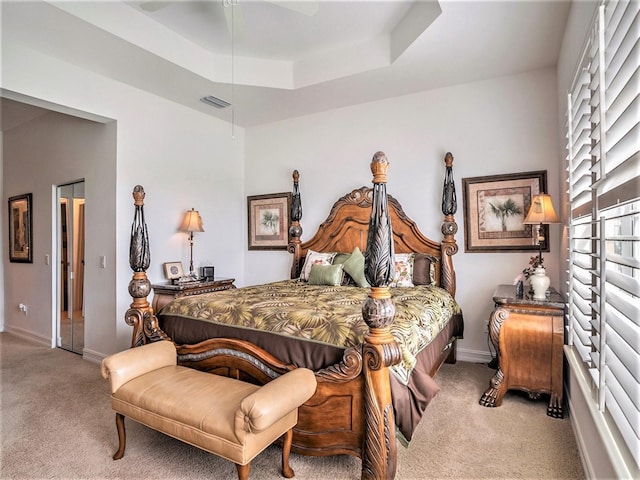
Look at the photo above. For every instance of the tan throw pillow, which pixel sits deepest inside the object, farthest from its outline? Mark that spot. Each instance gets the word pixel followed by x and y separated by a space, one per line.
pixel 404 270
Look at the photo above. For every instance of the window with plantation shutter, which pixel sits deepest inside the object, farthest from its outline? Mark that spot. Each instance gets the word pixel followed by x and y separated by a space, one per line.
pixel 603 131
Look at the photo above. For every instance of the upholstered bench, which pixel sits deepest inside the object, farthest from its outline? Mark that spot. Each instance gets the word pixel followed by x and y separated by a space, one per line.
pixel 227 417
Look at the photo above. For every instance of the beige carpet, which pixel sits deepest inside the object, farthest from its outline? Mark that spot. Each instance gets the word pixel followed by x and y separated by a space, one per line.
pixel 56 422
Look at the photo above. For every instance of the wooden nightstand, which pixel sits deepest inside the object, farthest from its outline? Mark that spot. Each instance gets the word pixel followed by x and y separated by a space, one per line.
pixel 528 336
pixel 164 293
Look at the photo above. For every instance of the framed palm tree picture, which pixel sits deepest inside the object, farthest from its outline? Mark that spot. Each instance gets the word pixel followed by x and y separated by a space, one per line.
pixel 495 208
pixel 269 221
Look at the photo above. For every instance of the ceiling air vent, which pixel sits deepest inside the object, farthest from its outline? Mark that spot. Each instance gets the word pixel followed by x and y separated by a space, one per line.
pixel 215 101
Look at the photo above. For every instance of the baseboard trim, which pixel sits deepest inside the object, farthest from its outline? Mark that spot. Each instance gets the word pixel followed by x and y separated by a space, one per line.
pixel 29 336
pixel 89 355
pixel 92 356
pixel 473 356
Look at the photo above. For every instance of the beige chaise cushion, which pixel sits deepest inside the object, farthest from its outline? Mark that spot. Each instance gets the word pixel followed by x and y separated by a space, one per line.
pixel 227 417
pixel 128 364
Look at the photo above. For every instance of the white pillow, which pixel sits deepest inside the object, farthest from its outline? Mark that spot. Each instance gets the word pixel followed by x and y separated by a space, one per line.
pixel 315 258
pixel 404 270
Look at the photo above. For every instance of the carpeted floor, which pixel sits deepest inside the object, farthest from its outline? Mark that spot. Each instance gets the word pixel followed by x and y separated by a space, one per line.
pixel 56 422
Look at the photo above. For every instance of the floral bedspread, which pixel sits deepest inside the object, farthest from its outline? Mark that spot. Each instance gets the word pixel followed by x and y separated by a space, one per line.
pixel 325 314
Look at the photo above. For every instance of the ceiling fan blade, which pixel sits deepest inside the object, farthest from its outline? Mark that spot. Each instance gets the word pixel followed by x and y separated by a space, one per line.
pixel 235 20
pixel 305 7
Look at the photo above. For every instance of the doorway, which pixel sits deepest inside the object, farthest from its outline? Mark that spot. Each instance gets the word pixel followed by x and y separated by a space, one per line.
pixel 71 234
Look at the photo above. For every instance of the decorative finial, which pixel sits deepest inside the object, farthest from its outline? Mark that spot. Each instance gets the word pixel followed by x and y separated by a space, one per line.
pixel 379 167
pixel 448 159
pixel 138 195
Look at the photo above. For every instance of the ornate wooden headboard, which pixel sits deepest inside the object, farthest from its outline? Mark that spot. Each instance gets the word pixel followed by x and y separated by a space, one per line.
pixel 347 226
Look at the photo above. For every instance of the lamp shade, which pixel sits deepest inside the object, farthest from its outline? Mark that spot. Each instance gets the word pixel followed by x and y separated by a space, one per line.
pixel 541 210
pixel 191 222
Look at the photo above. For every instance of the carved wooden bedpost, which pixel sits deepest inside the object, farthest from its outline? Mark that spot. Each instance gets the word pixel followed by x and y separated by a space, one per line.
pixel 140 314
pixel 449 227
pixel 295 230
pixel 380 349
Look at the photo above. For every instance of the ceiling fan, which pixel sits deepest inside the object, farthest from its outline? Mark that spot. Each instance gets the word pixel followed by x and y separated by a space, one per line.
pixel 233 10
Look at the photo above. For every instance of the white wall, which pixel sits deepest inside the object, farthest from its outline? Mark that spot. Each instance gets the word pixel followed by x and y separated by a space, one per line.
pixel 503 125
pixel 183 159
pixel 61 149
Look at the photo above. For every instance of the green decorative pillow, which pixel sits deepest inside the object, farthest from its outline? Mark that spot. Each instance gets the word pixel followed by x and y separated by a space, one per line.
pixel 354 266
pixel 341 258
pixel 315 258
pixel 326 275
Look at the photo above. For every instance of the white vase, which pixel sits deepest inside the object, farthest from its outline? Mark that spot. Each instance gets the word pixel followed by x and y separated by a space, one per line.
pixel 540 283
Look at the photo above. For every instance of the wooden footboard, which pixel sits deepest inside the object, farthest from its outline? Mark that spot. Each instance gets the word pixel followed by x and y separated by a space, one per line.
pixel 330 423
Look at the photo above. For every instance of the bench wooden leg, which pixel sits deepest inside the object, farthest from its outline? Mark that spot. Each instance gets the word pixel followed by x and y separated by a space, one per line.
pixel 122 436
pixel 243 471
pixel 287 471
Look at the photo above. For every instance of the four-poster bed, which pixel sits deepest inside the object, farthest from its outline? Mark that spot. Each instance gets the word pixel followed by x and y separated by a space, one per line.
pixel 374 374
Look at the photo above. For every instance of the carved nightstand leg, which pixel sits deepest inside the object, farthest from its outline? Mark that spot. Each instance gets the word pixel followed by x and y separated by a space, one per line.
pixel 555 408
pixel 492 397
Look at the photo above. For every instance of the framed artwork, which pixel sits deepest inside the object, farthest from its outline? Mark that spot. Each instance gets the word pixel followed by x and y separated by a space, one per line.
pixel 173 270
pixel 494 211
pixel 20 229
pixel 269 221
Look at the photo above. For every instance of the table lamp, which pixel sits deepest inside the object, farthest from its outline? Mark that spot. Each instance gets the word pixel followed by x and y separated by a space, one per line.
pixel 191 223
pixel 541 213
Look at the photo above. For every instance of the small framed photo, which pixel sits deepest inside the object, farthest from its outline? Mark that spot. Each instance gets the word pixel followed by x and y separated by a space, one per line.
pixel 173 270
pixel 269 221
pixel 494 211
pixel 20 229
